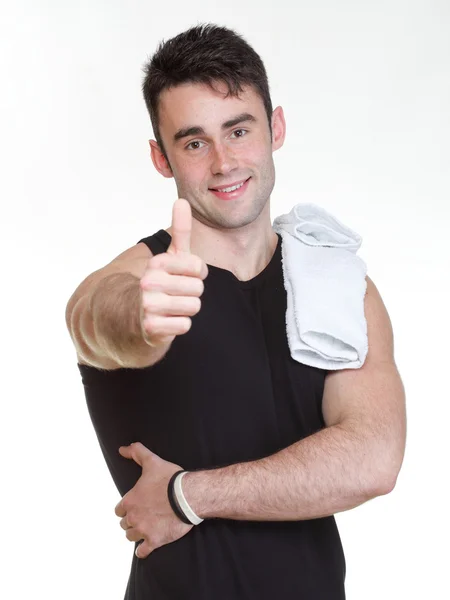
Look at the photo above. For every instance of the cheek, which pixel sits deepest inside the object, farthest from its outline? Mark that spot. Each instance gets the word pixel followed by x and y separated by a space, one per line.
pixel 255 152
pixel 188 170
pixel 193 176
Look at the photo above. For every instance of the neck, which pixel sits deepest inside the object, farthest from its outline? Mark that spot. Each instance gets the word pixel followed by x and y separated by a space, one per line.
pixel 244 251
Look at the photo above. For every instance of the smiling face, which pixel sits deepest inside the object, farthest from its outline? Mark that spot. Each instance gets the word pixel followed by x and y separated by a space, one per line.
pixel 214 143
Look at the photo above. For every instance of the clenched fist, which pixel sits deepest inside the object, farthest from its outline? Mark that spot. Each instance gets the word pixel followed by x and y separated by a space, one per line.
pixel 172 284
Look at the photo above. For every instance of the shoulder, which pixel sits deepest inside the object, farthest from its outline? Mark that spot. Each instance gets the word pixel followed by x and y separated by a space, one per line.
pixel 352 391
pixel 379 326
pixel 132 260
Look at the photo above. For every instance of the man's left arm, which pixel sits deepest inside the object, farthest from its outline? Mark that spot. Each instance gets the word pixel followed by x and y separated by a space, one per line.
pixel 356 457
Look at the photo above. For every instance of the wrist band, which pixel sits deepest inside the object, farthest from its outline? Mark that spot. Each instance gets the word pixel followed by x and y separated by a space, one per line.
pixel 174 502
pixel 183 503
pixel 178 502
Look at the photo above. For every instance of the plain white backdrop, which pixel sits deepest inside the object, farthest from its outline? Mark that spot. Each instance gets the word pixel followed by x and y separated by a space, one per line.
pixel 365 87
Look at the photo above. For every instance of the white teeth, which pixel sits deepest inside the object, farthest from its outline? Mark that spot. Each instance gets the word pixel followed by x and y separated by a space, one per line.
pixel 231 189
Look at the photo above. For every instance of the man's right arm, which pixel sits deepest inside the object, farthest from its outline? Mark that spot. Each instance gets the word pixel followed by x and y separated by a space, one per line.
pixel 138 295
pixel 104 319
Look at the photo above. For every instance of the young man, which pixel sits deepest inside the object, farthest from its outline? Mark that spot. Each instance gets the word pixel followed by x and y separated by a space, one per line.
pixel 181 344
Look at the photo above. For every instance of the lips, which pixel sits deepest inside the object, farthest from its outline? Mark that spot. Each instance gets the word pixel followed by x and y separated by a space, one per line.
pixel 235 194
pixel 228 185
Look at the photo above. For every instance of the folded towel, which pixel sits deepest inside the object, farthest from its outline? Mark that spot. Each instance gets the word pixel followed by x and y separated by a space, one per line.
pixel 325 284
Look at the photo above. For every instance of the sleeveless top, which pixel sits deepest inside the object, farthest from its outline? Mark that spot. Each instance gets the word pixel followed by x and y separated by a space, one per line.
pixel 227 391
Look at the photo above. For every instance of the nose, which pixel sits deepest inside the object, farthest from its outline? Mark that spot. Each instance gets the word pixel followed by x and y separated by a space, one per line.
pixel 223 160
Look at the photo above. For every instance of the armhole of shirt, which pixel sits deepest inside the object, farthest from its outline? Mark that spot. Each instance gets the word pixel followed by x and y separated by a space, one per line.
pixel 158 242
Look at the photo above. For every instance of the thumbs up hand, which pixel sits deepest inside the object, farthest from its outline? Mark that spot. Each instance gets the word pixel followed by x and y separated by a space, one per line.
pixel 172 284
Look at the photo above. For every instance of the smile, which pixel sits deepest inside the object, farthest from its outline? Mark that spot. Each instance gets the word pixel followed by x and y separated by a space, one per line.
pixel 230 188
pixel 231 192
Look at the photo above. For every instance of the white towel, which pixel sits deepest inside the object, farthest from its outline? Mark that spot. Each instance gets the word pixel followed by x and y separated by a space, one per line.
pixel 325 284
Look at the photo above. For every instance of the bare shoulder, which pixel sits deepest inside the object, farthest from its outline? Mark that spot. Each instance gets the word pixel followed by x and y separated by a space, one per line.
pixel 348 391
pixel 379 326
pixel 132 260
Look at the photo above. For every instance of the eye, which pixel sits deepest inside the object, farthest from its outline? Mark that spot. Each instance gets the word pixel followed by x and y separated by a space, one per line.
pixel 191 146
pixel 241 132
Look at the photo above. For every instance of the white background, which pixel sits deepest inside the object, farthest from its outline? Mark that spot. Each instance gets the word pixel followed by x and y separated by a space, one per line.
pixel 366 91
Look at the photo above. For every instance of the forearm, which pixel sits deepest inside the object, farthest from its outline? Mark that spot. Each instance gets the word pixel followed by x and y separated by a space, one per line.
pixel 333 470
pixel 108 322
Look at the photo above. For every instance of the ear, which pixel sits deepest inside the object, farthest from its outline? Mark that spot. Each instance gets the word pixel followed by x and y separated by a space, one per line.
pixel 159 160
pixel 278 128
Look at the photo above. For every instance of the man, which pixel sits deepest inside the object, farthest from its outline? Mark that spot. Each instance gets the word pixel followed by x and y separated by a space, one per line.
pixel 182 348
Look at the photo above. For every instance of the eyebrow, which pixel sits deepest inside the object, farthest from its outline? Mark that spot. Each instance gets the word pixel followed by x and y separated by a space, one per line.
pixel 196 130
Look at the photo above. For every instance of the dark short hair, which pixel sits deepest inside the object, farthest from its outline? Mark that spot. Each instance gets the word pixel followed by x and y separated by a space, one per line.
pixel 206 54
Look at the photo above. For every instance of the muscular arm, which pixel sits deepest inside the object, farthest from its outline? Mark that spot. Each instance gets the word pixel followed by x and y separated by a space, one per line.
pixel 355 458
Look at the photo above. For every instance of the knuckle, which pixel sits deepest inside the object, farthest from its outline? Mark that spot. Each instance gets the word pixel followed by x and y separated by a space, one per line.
pixel 132 518
pixel 150 323
pixel 151 302
pixel 155 327
pixel 147 325
pixel 153 280
pixel 131 521
pixel 156 262
pixel 133 535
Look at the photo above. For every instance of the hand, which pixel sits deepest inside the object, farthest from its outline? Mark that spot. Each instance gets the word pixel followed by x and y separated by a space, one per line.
pixel 172 284
pixel 145 510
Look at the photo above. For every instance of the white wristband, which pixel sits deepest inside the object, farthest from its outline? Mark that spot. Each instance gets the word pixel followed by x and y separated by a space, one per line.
pixel 190 514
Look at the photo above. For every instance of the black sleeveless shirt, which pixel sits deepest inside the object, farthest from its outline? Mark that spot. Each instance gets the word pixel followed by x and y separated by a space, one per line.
pixel 227 391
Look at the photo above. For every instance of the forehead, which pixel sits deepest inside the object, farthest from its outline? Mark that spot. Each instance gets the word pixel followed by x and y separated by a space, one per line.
pixel 197 104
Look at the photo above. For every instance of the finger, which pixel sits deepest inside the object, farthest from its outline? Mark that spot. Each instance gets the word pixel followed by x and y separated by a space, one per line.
pixel 133 535
pixel 119 510
pixel 189 265
pixel 159 327
pixel 137 451
pixel 185 264
pixel 143 550
pixel 181 227
pixel 157 280
pixel 156 303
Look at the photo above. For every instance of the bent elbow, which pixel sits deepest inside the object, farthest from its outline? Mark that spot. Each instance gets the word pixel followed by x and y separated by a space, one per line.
pixel 385 482
pixel 387 486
